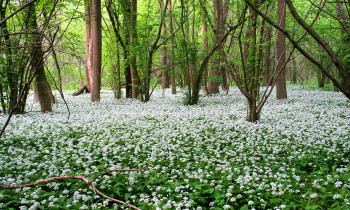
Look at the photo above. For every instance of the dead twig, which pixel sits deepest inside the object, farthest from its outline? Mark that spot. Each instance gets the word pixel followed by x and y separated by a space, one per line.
pixel 83 178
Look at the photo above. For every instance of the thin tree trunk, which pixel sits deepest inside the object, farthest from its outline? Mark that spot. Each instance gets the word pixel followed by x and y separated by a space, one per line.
pixel 2 100
pixel 171 50
pixel 96 37
pixel 133 43
pixel 267 57
pixel 119 90
pixel 205 49
pixel 281 88
pixel 165 75
pixel 80 77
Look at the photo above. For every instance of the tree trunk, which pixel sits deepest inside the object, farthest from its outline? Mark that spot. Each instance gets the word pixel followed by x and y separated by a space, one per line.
pixel 171 51
pixel 80 77
pixel 281 88
pixel 165 76
pixel 126 28
pixel 164 57
pixel 205 49
pixel 267 56
pixel 321 78
pixel 214 72
pixel 37 63
pixel 133 43
pixel 253 116
pixel 96 37
pixel 2 100
pixel 87 43
pixel 224 82
pixel 118 92
pixel 80 91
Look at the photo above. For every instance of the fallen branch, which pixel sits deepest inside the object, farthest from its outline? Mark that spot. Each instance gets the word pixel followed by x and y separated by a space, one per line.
pixel 83 178
pixel 80 91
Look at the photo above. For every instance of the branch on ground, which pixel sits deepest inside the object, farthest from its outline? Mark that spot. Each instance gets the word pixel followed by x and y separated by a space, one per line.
pixel 83 178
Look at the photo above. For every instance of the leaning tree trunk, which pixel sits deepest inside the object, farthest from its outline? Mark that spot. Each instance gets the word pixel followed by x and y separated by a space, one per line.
pixel 37 64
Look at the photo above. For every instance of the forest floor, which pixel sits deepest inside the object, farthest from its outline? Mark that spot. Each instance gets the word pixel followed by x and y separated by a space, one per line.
pixel 197 157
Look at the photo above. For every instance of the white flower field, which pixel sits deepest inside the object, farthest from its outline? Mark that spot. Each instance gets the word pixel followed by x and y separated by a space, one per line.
pixel 205 156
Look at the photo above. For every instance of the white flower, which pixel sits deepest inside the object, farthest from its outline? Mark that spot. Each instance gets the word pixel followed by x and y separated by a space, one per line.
pixel 228 194
pixel 233 199
pixel 336 196
pixel 338 184
pixel 227 206
pixel 314 195
pixel 250 202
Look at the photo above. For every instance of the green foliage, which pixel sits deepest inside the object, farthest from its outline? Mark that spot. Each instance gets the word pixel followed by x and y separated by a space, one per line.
pixel 205 155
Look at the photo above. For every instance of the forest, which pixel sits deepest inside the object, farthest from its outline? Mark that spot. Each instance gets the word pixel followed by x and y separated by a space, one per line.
pixel 174 104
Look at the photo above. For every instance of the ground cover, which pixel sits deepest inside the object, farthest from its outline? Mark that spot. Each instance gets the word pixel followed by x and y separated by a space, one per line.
pixel 198 157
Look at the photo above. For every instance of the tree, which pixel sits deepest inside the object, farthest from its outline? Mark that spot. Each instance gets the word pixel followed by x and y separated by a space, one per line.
pixel 214 72
pixel 195 68
pixel 281 89
pixel 87 6
pixel 336 59
pixel 267 57
pixel 96 40
pixel 133 57
pixel 45 96
pixel 171 50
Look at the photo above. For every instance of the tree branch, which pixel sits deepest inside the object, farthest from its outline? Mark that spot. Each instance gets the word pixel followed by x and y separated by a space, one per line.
pixel 17 11
pixel 83 178
pixel 297 46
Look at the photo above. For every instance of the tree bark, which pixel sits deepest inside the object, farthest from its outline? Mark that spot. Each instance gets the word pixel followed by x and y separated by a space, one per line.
pixel 281 88
pixel 79 91
pixel 96 37
pixel 214 72
pixel 253 116
pixel 171 50
pixel 37 63
pixel 267 56
pixel 87 43
pixel 126 25
pixel 165 76
pixel 205 49
pixel 133 43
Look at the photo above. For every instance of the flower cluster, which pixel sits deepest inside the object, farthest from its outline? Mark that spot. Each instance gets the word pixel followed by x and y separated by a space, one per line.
pixel 198 157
